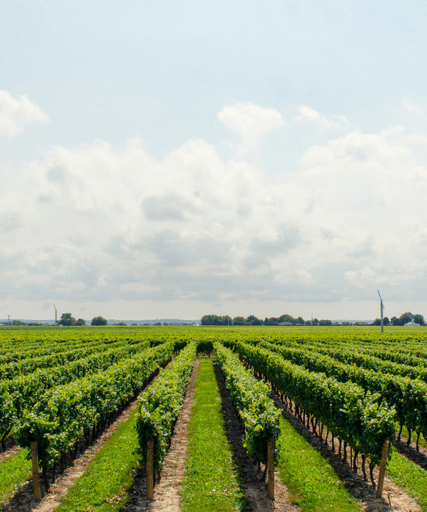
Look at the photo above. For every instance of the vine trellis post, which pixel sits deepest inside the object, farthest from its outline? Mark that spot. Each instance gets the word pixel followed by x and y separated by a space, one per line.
pixel 35 471
pixel 150 470
pixel 382 469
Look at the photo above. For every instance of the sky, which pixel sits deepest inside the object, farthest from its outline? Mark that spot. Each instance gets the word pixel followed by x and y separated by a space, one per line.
pixel 172 159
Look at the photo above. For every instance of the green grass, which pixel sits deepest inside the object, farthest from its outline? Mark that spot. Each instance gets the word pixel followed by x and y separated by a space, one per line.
pixel 405 434
pixel 14 471
pixel 409 477
pixel 312 482
pixel 211 481
pixel 104 484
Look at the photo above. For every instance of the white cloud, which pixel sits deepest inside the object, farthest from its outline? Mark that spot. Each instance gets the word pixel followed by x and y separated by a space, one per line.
pixel 251 121
pixel 307 113
pixel 94 223
pixel 15 113
pixel 414 109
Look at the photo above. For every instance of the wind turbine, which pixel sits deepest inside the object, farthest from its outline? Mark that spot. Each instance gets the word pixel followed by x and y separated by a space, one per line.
pixel 382 311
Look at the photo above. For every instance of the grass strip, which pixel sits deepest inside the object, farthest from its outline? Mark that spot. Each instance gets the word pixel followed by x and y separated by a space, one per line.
pixel 14 471
pixel 409 477
pixel 211 481
pixel 105 482
pixel 405 434
pixel 311 481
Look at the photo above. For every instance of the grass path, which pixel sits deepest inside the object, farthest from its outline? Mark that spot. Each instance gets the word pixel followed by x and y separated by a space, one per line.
pixel 14 471
pixel 312 482
pixel 211 481
pixel 409 476
pixel 104 484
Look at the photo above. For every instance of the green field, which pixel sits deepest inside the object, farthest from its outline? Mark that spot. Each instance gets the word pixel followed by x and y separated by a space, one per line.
pixel 39 364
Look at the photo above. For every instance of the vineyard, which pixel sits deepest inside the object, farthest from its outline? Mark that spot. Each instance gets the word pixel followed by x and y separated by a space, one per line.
pixel 213 418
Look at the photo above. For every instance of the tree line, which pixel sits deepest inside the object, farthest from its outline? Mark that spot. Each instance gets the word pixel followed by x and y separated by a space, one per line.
pixel 290 320
pixel 253 320
pixel 403 319
pixel 67 320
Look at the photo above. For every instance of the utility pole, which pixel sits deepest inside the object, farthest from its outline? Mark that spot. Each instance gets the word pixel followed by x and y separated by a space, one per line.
pixel 8 321
pixel 55 316
pixel 382 311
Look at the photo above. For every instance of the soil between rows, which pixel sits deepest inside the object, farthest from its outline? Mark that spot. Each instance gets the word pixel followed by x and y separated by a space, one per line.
pixel 411 453
pixel 252 479
pixel 166 492
pixel 396 500
pixel 23 499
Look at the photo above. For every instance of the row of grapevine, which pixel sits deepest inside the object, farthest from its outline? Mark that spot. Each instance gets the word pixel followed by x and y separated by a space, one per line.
pixel 65 413
pixel 160 405
pixel 18 351
pixel 353 357
pixel 377 356
pixel 24 391
pixel 12 352
pixel 29 365
pixel 407 396
pixel 349 412
pixel 252 400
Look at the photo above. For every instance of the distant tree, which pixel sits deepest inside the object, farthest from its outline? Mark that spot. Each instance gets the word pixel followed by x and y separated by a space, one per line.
pixel 80 321
pixel 98 320
pixel 346 324
pixel 406 317
pixel 325 322
pixel 377 321
pixel 67 320
pixel 315 321
pixel 419 319
pixel 120 324
pixel 211 320
pixel 271 321
pixel 239 320
pixel 253 320
pixel 300 320
pixel 386 320
pixel 227 320
pixel 287 318
pixel 396 321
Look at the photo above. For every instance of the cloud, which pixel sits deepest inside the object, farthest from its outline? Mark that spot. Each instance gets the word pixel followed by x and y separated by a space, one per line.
pixel 307 113
pixel 414 109
pixel 15 113
pixel 97 224
pixel 251 121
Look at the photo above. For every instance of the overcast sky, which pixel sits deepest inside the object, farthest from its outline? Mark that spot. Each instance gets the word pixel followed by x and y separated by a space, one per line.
pixel 178 158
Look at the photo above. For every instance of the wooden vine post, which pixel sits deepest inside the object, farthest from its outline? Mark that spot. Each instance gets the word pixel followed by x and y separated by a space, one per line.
pixel 150 470
pixel 35 469
pixel 382 469
pixel 270 467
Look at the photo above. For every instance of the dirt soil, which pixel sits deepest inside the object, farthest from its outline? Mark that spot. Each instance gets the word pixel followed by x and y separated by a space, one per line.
pixel 23 499
pixel 252 480
pixel 394 499
pixel 166 492
pixel 11 449
pixel 411 453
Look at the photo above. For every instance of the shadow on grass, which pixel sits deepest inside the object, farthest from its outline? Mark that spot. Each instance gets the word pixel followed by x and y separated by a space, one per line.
pixel 410 453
